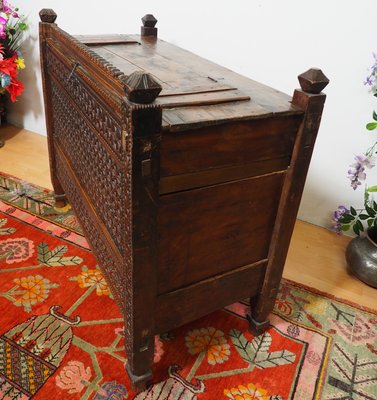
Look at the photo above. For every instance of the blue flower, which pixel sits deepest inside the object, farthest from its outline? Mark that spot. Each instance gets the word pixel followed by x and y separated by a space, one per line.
pixel 111 391
pixel 5 80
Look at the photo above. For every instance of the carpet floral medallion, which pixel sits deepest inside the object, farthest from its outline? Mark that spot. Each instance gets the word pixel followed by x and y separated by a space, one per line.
pixel 61 333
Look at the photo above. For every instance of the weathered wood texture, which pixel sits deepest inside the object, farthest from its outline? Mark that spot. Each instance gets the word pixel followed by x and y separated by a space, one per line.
pixel 185 176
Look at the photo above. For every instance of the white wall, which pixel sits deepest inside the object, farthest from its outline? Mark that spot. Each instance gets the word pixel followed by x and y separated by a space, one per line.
pixel 271 41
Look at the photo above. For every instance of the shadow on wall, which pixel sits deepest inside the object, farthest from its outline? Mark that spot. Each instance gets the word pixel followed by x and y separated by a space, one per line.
pixel 30 104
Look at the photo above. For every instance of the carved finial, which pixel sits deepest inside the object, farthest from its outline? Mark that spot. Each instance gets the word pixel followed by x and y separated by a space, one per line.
pixel 141 87
pixel 149 23
pixel 48 15
pixel 313 81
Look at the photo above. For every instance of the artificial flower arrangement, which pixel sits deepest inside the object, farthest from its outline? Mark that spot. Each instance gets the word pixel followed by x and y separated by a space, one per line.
pixel 352 218
pixel 12 27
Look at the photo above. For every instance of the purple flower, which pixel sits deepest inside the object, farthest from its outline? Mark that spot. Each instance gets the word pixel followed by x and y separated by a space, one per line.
pixel 371 78
pixel 337 216
pixel 356 173
pixel 369 81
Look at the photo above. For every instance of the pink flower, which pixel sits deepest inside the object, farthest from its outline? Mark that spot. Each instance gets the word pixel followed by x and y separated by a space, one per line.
pixel 73 377
pixel 158 349
pixel 7 8
pixel 3 34
pixel 119 331
pixel 16 250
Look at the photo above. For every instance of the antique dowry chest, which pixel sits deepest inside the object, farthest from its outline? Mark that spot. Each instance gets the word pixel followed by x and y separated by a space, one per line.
pixel 185 176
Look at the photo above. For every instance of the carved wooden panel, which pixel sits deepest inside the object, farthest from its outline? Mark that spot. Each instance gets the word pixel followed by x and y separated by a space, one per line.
pixel 97 155
pixel 97 171
pixel 104 122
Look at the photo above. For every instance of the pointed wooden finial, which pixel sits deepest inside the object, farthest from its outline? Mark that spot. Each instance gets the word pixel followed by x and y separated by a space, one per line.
pixel 149 23
pixel 141 87
pixel 313 81
pixel 48 15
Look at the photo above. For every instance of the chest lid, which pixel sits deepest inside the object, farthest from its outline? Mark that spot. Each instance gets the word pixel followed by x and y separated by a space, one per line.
pixel 195 91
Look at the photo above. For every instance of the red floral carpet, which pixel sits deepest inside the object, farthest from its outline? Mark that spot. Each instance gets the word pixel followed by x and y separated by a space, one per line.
pixel 61 334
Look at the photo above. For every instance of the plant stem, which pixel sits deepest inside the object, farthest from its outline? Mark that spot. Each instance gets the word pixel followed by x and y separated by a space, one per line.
pixel 196 365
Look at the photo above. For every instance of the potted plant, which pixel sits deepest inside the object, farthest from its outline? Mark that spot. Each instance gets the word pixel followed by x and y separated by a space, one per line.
pixel 361 253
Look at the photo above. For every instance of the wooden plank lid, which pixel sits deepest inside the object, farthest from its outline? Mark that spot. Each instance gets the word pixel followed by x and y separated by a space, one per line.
pixel 194 90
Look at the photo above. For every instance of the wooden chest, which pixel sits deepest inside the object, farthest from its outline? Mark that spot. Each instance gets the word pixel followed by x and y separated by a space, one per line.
pixel 185 176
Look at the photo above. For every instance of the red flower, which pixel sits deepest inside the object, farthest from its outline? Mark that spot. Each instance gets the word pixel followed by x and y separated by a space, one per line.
pixel 15 89
pixel 9 67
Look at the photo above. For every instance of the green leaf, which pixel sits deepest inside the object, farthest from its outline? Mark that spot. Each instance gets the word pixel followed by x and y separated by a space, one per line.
pixel 374 205
pixel 345 227
pixel 370 211
pixel 55 257
pixel 374 116
pixel 356 229
pixel 5 231
pixel 363 217
pixel 242 345
pixel 370 222
pixel 270 360
pixel 371 125
pixel 372 189
pixel 64 261
pixel 346 218
pixel 42 252
pixel 262 343
pixel 360 226
pixel 353 211
pixel 59 251
pixel 22 26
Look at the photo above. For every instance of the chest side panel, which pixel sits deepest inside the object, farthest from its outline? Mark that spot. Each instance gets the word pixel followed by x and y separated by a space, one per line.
pixel 220 190
pixel 92 164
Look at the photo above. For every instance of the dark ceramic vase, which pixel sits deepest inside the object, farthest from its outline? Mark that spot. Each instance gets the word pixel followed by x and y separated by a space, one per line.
pixel 361 256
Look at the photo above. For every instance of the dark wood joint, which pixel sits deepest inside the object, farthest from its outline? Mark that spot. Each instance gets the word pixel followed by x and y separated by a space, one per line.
pixel 303 99
pixel 257 328
pixel 48 15
pixel 146 121
pixel 149 26
pixel 141 87
pixel 139 382
pixel 60 200
pixel 313 81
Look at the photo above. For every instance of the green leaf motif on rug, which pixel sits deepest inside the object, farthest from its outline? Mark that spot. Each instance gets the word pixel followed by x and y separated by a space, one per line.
pixel 352 377
pixel 55 257
pixel 257 351
pixel 5 231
